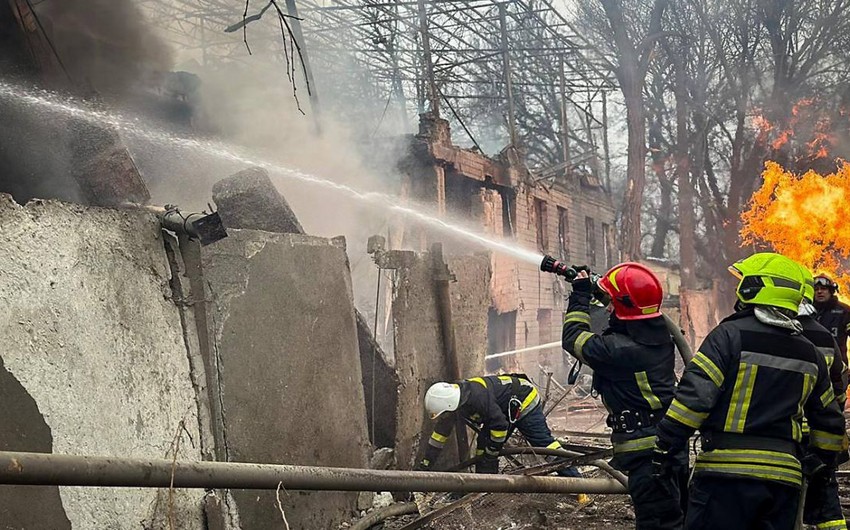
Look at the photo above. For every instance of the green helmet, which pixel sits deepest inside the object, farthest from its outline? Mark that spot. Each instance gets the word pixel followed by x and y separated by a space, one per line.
pixel 769 279
pixel 808 285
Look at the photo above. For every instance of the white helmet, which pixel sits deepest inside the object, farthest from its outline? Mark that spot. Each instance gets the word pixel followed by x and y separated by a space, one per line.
pixel 442 397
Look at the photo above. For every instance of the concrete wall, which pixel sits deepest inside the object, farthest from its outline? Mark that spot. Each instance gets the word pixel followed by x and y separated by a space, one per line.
pixel 94 360
pixel 285 340
pixel 419 353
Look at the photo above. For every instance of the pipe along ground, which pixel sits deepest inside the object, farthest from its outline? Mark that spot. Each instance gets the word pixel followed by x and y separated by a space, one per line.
pixel 68 470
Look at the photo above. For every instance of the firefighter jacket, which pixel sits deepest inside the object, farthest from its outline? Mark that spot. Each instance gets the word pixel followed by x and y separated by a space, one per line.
pixel 835 316
pixel 828 347
pixel 485 402
pixel 746 390
pixel 632 366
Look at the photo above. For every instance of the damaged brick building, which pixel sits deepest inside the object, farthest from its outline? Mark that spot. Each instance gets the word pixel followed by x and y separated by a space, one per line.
pixel 570 217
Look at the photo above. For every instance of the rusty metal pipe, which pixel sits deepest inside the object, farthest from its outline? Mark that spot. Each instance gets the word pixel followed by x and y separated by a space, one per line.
pixel 69 470
pixel 205 227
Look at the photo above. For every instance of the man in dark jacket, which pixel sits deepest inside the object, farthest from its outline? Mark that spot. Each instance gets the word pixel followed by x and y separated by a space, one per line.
pixel 632 362
pixel 832 313
pixel 746 391
pixel 822 504
pixel 494 405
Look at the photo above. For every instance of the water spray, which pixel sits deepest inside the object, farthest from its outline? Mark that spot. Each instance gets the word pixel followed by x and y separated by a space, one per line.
pixel 70 108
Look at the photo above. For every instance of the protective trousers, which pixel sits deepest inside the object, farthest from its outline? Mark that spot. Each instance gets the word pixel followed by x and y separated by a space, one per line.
pixel 536 431
pixel 741 504
pixel 823 508
pixel 658 501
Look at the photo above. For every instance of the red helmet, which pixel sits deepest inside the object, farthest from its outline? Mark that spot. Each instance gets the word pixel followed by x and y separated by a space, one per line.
pixel 634 290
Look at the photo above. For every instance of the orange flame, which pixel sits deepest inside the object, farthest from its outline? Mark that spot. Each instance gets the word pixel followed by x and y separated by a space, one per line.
pixel 802 217
pixel 805 120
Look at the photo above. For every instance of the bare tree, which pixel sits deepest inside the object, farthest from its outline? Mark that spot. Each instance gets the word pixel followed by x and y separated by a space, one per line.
pixel 632 28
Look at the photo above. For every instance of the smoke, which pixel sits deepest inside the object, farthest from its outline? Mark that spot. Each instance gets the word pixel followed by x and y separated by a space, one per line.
pixel 109 47
pixel 87 47
pixel 252 103
pixel 104 45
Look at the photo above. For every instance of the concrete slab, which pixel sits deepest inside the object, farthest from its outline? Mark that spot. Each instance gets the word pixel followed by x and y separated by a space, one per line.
pixel 419 354
pixel 285 339
pixel 249 200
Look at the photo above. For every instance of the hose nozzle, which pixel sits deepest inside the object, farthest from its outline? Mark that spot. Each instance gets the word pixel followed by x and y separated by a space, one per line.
pixel 550 264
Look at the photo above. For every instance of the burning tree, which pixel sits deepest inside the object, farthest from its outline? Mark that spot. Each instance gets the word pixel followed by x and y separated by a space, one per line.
pixel 802 216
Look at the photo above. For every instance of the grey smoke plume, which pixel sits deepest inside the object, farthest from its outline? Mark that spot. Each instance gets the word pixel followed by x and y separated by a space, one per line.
pixel 104 44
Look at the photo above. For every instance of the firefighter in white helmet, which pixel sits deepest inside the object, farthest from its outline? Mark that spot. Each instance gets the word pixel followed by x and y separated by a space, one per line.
pixel 494 404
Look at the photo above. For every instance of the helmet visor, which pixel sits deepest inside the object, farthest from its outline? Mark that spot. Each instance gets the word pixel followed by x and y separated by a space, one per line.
pixel 820 281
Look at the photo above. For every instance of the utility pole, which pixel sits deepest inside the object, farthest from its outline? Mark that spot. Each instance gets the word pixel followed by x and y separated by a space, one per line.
pixel 433 95
pixel 565 127
pixel 605 147
pixel 506 74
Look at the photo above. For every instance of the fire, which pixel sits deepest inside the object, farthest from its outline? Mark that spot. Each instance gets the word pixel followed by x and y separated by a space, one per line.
pixel 801 216
pixel 806 120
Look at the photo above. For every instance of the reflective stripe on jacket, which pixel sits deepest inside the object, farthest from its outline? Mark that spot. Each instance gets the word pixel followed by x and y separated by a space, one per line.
pixel 752 383
pixel 484 401
pixel 633 370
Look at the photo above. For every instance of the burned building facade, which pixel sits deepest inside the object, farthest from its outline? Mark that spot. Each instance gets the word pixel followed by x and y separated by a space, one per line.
pixel 571 217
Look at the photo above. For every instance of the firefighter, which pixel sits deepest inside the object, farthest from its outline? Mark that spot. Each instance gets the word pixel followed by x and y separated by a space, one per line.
pixel 494 405
pixel 746 390
pixel 822 505
pixel 633 363
pixel 832 313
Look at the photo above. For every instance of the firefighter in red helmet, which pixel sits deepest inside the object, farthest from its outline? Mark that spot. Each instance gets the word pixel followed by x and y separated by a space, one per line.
pixel 632 362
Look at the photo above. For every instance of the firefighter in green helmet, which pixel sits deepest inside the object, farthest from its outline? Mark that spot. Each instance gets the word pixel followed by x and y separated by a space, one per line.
pixel 746 391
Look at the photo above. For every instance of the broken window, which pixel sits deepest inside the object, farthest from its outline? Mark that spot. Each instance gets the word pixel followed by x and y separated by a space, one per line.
pixel 544 326
pixel 501 336
pixel 508 214
pixel 590 225
pixel 540 215
pixel 564 234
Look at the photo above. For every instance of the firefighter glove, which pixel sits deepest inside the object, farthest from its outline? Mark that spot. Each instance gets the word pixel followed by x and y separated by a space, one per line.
pixel 423 465
pixel 582 285
pixel 813 465
pixel 662 463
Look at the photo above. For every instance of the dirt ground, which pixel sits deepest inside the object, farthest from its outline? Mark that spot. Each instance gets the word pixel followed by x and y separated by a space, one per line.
pixel 555 512
pixel 534 511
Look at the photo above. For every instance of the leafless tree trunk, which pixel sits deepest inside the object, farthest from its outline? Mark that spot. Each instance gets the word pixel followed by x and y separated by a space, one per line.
pixel 632 61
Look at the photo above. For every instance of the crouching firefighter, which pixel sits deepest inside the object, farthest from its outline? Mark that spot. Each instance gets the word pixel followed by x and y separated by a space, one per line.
pixel 746 391
pixel 633 372
pixel 493 405
pixel 822 506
